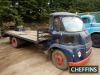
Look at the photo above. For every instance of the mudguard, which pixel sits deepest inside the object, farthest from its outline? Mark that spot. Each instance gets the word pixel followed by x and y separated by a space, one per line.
pixel 67 50
pixel 92 32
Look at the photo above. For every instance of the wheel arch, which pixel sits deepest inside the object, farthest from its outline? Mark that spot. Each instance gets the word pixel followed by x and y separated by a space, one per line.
pixel 51 50
pixel 68 53
pixel 95 33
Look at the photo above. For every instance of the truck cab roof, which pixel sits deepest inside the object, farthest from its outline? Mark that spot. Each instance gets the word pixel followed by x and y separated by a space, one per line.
pixel 63 13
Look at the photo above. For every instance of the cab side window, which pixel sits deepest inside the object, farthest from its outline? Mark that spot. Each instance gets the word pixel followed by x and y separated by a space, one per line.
pixel 85 20
pixel 57 24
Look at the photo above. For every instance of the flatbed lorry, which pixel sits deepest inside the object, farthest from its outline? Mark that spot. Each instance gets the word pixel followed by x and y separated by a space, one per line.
pixel 69 42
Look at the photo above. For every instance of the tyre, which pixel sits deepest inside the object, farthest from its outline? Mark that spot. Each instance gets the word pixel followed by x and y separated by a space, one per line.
pixel 59 59
pixel 10 39
pixel 15 42
pixel 95 40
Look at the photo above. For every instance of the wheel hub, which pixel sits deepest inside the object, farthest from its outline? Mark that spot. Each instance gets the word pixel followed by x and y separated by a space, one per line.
pixel 58 59
pixel 14 42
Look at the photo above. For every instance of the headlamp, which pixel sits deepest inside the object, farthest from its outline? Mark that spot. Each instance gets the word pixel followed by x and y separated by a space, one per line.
pixel 79 54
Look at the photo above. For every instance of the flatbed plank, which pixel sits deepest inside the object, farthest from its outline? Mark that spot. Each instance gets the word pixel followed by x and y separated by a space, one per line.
pixel 32 35
pixel 29 35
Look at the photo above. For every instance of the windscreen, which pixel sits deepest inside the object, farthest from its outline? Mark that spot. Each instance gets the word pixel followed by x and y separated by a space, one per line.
pixel 73 24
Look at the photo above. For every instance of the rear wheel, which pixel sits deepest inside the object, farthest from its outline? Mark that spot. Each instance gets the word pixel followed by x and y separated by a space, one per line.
pixel 95 40
pixel 59 59
pixel 10 39
pixel 15 42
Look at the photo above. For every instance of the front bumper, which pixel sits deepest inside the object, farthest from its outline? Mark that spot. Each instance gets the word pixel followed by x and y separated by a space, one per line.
pixel 82 62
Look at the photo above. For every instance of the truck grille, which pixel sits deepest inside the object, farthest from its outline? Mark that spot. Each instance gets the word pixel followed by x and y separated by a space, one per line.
pixel 88 50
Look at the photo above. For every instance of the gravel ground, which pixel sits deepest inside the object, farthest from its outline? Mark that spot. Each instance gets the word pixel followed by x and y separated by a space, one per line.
pixel 30 60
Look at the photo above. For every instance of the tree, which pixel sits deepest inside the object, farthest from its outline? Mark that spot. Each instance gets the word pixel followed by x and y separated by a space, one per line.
pixel 8 13
pixel 38 10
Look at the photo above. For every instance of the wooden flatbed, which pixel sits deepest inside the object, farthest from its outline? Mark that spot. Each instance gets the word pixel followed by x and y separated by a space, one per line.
pixel 28 35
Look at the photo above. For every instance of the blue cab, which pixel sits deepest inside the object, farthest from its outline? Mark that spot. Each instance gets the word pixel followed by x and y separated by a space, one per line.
pixel 71 44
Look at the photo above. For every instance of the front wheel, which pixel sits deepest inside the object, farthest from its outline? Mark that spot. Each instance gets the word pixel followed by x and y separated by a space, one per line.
pixel 96 40
pixel 59 59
